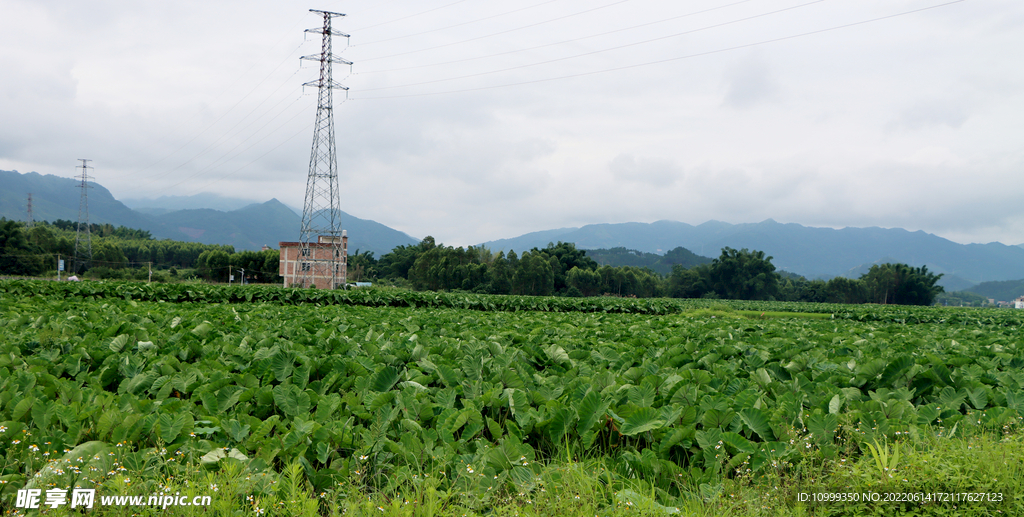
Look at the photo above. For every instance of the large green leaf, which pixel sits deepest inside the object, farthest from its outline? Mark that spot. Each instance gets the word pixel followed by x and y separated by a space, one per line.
pixel 291 400
pixel 560 422
pixel 448 375
pixel 326 406
pixel 950 398
pixel 757 421
pixel 22 408
pixel 219 454
pixel 738 443
pixel 385 379
pixel 228 396
pixel 590 410
pixel 118 343
pixel 203 329
pixel 708 439
pixel 894 370
pixel 170 426
pixel 300 430
pixel 823 427
pixel 717 418
pixel 870 369
pixel 643 395
pixel 762 377
pixel 557 354
pixel 642 420
pixel 978 397
pixel 236 430
pixel 282 364
pixel 835 404
pixel 517 401
pixel 263 430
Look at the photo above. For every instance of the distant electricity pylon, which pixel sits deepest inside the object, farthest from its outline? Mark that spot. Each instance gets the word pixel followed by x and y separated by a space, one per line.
pixel 28 223
pixel 321 252
pixel 83 220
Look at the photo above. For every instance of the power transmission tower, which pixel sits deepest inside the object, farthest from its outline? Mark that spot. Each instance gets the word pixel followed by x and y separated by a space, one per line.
pixel 83 220
pixel 28 224
pixel 322 246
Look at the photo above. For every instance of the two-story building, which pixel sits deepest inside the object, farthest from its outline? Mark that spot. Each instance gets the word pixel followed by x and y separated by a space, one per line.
pixel 315 266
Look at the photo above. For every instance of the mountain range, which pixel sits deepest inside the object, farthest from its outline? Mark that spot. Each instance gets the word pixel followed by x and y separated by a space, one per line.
pixel 249 227
pixel 808 251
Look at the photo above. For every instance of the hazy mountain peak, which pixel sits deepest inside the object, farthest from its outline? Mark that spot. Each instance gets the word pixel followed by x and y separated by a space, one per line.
pixel 195 201
pixel 808 251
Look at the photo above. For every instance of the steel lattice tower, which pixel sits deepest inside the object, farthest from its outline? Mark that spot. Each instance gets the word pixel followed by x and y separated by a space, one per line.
pixel 28 224
pixel 320 253
pixel 83 220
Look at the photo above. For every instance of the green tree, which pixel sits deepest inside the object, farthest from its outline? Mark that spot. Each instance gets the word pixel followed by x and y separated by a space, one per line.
pixel 689 283
pixel 744 275
pixel 563 257
pixel 271 267
pixel 108 254
pixel 401 259
pixel 214 265
pixel 500 275
pixel 901 284
pixel 362 266
pixel 17 255
pixel 533 275
pixel 845 290
pixel 586 281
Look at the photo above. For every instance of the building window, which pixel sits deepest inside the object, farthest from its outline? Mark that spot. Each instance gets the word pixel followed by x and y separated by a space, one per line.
pixel 305 266
pixel 305 252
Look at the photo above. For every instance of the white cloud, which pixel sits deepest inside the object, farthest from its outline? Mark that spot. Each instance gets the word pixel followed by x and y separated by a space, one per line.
pixel 910 121
pixel 750 82
pixel 656 172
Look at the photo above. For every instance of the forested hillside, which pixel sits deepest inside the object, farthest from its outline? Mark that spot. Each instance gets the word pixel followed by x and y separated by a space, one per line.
pixel 120 252
pixel 562 269
pixel 1005 291
pixel 558 269
pixel 808 251
pixel 661 264
pixel 244 228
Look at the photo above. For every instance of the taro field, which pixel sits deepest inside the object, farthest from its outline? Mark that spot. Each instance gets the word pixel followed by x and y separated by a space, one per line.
pixel 111 386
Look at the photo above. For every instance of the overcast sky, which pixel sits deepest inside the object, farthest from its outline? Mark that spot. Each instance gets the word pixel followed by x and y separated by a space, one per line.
pixel 475 120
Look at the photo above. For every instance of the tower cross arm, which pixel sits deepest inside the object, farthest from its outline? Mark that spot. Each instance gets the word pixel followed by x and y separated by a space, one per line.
pixel 334 85
pixel 330 57
pixel 328 13
pixel 332 32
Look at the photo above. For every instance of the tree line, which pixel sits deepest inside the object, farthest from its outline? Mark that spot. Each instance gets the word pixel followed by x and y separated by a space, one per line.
pixel 121 252
pixel 563 270
pixel 559 269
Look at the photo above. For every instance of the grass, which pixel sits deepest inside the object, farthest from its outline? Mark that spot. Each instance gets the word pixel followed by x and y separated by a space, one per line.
pixel 720 310
pixel 759 315
pixel 924 461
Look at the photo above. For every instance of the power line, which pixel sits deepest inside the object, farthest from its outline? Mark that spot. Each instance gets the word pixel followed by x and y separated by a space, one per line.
pixel 409 16
pixel 224 155
pixel 457 24
pixel 667 60
pixel 215 122
pixel 593 52
pixel 425 49
pixel 563 42
pixel 258 158
pixel 229 87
